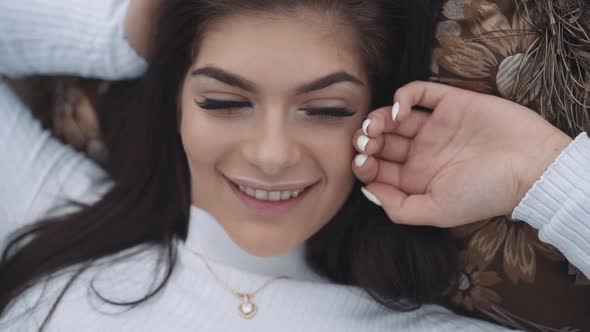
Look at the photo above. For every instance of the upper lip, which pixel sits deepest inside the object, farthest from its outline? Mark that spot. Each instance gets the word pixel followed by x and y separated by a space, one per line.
pixel 284 186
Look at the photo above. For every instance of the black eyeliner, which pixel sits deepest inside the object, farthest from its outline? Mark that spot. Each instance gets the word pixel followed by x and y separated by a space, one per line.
pixel 215 104
pixel 328 111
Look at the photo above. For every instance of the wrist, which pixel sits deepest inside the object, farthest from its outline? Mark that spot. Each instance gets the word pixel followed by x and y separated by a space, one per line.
pixel 537 163
pixel 561 190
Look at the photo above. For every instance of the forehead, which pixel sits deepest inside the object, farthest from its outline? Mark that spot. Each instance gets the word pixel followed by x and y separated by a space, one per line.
pixel 298 45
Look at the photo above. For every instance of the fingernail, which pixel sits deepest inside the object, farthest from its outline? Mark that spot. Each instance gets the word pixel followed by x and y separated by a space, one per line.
pixel 366 124
pixel 362 142
pixel 395 111
pixel 371 197
pixel 360 160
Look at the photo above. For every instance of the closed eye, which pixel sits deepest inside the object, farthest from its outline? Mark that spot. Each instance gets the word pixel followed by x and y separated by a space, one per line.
pixel 232 107
pixel 327 114
pixel 217 104
pixel 337 112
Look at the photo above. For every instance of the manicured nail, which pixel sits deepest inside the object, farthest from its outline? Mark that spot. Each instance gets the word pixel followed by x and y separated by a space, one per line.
pixel 371 197
pixel 366 124
pixel 362 142
pixel 395 111
pixel 360 160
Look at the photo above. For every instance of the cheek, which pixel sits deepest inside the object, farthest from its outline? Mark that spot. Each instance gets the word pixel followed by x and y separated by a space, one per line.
pixel 203 149
pixel 334 153
pixel 193 137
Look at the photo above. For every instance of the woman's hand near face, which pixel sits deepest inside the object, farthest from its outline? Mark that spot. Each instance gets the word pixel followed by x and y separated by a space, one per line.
pixel 141 23
pixel 474 157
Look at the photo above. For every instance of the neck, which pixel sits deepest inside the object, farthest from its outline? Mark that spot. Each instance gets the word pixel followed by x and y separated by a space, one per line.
pixel 208 238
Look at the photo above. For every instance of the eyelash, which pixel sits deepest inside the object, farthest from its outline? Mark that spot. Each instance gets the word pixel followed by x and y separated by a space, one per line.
pixel 222 105
pixel 325 113
pixel 322 114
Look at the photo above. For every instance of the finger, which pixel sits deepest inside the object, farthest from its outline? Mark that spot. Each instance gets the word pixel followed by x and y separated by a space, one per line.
pixel 418 210
pixel 380 122
pixel 425 94
pixel 86 116
pixel 394 148
pixel 388 173
pixel 385 119
pixel 365 168
pixel 71 131
pixel 368 169
pixel 413 123
pixel 365 144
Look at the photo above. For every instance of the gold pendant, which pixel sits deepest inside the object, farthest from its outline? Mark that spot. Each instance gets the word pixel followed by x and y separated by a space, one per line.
pixel 247 309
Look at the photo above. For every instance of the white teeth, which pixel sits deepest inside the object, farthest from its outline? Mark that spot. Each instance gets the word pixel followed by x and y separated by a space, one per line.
pixel 251 192
pixel 261 195
pixel 274 196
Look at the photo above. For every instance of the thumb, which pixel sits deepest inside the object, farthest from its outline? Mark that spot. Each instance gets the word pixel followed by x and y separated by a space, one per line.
pixel 401 208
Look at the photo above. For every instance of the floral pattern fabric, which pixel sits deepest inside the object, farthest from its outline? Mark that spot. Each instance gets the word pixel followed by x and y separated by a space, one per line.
pixel 506 274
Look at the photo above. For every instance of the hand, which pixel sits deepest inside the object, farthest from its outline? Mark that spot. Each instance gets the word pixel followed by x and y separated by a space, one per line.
pixel 140 24
pixel 474 157
pixel 75 119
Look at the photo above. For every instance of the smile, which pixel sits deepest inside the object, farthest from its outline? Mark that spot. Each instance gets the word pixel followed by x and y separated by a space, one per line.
pixel 267 199
pixel 264 195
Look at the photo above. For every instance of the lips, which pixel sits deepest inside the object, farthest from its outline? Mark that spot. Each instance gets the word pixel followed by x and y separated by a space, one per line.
pixel 270 199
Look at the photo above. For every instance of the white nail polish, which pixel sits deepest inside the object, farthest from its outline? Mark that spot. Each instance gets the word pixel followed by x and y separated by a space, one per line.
pixel 362 142
pixel 371 197
pixel 360 160
pixel 366 124
pixel 395 111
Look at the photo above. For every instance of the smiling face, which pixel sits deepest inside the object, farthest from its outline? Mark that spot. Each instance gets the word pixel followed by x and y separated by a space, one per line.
pixel 268 110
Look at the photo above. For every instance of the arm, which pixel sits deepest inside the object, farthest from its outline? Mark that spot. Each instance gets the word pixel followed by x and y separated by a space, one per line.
pixel 66 37
pixel 37 172
pixel 558 205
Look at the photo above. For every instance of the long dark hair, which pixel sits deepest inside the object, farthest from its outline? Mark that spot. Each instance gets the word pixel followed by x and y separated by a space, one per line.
pixel 149 202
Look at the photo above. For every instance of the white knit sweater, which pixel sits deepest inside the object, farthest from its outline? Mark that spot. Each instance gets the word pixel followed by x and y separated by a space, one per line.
pixel 38 173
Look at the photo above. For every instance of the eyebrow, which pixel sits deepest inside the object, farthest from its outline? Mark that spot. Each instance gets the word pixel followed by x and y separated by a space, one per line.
pixel 225 77
pixel 329 80
pixel 239 82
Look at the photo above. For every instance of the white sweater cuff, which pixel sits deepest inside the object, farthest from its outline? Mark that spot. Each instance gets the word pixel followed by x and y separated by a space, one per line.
pixel 72 37
pixel 558 204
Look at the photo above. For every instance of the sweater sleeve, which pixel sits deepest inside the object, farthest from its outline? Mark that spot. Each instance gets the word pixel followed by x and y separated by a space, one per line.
pixel 39 174
pixel 558 204
pixel 83 38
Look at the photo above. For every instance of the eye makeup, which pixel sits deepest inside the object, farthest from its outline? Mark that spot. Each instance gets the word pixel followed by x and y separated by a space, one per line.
pixel 326 115
pixel 230 107
pixel 217 104
pixel 337 112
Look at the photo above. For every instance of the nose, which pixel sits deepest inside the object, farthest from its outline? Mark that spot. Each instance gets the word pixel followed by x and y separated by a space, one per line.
pixel 272 148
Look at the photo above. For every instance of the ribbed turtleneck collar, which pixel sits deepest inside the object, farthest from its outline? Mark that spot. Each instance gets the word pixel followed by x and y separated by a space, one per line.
pixel 207 237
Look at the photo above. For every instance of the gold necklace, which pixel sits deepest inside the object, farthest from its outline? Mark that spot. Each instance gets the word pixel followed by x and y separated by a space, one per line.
pixel 247 308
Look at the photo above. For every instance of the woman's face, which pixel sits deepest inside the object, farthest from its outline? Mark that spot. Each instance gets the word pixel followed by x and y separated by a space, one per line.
pixel 268 111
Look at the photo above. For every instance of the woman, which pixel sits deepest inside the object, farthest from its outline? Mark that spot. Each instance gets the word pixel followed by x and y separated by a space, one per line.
pixel 242 129
pixel 506 274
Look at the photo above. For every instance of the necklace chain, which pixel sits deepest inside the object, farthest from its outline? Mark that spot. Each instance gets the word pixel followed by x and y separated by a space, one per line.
pixel 247 308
